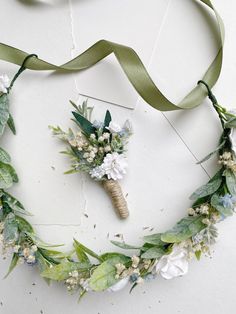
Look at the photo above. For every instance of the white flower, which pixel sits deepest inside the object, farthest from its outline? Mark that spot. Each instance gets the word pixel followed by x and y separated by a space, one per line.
pixel 107 148
pixel 114 127
pixel 114 166
pixel 4 83
pixel 106 135
pixel 119 285
pixel 100 139
pixel 97 172
pixel 174 264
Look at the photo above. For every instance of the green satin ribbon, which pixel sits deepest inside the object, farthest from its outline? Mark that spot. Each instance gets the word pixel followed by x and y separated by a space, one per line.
pixel 131 65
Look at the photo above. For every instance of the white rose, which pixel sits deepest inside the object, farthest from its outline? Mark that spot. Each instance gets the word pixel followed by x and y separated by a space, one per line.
pixel 119 285
pixel 114 166
pixel 174 264
pixel 4 83
pixel 114 127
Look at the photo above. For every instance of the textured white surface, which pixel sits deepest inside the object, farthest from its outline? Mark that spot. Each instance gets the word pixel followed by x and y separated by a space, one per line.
pixel 162 152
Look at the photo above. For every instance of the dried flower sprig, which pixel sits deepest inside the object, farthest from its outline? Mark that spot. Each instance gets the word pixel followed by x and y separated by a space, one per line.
pixel 98 148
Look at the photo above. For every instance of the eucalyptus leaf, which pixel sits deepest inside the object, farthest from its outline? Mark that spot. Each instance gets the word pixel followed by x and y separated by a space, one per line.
pixel 11 171
pixel 184 229
pixel 10 232
pixel 110 255
pixel 103 276
pixel 4 112
pixel 11 124
pixel 125 246
pixel 212 153
pixel 61 272
pixel 154 239
pixel 4 156
pixel 154 252
pixel 24 225
pixel 230 181
pixel 13 264
pixel 6 180
pixel 211 187
pixel 217 204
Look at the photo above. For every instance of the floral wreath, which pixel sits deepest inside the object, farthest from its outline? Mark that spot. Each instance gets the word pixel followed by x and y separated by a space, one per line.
pixel 98 148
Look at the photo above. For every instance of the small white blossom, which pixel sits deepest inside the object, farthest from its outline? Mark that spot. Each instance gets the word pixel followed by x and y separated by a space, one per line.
pixel 206 221
pixel 106 135
pixel 135 261
pixel 204 209
pixel 16 248
pixel 107 148
pixel 4 83
pixel 101 139
pixel 34 248
pixel 114 127
pixel 174 264
pixel 191 212
pixel 97 173
pixel 86 155
pixel 114 166
pixel 92 154
pixel 93 136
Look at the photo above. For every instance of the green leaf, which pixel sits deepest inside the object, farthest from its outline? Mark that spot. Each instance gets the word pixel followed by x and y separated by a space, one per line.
pixel 230 181
pixel 13 264
pixel 4 156
pixel 6 180
pixel 103 276
pixel 183 230
pixel 217 204
pixel 110 255
pixel 82 257
pixel 125 246
pixel 88 251
pixel 61 272
pixel 154 252
pixel 4 112
pixel 107 119
pixel 211 187
pixel 11 124
pixel 24 225
pixel 154 239
pixel 10 231
pixel 85 125
pixel 212 153
pixel 10 170
pixel 198 255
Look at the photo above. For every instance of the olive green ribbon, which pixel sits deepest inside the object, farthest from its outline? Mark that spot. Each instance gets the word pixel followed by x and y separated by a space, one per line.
pixel 131 65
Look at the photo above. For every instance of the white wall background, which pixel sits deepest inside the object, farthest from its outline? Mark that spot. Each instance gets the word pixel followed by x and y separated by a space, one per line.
pixel 162 153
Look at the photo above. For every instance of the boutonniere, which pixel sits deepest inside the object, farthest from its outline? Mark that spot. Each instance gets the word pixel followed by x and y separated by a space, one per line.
pixel 98 148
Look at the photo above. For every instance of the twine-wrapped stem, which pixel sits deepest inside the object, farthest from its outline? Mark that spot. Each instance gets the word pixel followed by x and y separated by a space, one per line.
pixel 114 191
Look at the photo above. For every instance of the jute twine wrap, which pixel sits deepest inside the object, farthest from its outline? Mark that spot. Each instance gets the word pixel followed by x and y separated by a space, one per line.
pixel 114 190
